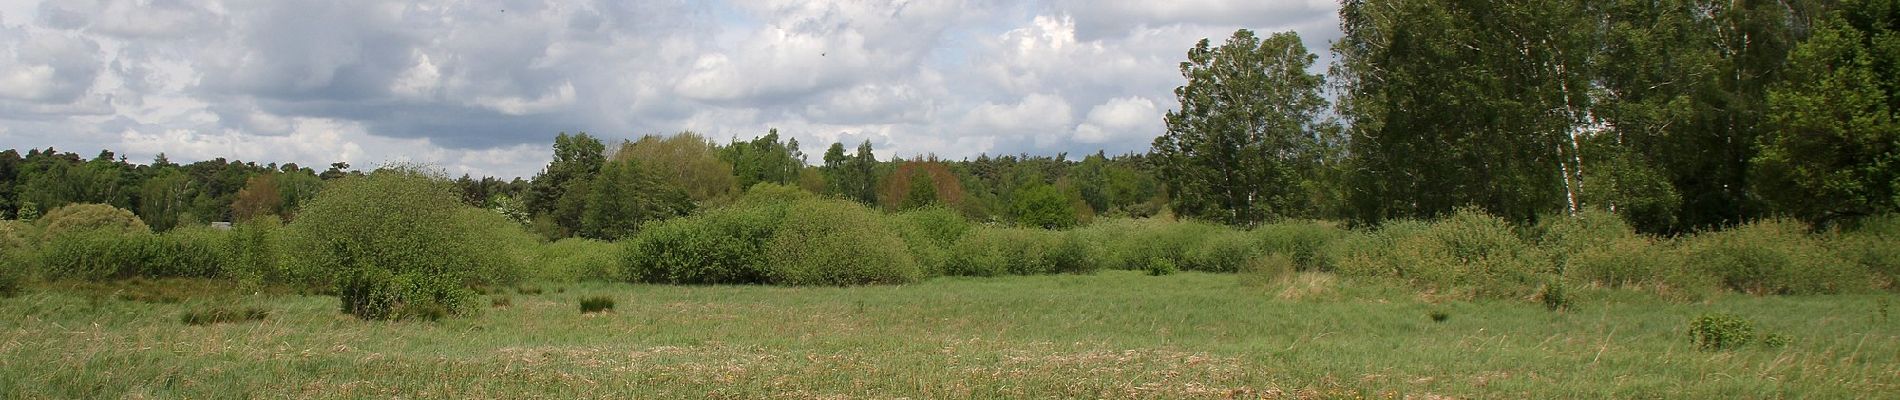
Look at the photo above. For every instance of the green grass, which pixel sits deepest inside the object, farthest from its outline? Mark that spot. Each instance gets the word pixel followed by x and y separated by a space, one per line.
pixel 1115 334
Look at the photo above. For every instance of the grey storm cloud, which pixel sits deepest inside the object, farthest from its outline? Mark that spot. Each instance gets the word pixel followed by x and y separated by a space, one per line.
pixel 480 87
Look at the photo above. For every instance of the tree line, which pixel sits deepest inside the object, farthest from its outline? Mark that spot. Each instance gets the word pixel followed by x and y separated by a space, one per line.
pixel 593 190
pixel 1678 115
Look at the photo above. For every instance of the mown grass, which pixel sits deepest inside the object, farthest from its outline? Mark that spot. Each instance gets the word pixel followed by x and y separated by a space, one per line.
pixel 1114 334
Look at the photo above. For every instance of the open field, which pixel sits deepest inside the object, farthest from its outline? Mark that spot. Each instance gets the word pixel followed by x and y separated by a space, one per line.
pixel 1114 334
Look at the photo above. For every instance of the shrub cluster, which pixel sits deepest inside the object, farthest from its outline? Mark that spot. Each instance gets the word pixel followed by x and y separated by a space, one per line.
pixel 1721 331
pixel 771 237
pixel 397 243
pixel 1467 252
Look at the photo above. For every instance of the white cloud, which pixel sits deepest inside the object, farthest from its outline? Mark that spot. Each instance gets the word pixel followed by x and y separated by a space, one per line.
pixel 483 86
pixel 1120 118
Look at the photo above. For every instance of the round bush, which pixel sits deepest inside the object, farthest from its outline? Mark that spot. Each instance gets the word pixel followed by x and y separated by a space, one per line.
pixel 394 244
pixel 724 245
pixel 979 253
pixel 89 217
pixel 837 242
pixel 1774 257
pixel 96 255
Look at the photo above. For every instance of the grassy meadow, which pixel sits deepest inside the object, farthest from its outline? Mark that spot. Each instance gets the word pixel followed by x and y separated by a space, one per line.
pixel 1110 334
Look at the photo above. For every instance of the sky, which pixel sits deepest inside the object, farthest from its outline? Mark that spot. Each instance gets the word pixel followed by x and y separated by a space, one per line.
pixel 482 87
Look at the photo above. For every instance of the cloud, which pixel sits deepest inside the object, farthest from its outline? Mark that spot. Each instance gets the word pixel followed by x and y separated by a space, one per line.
pixel 484 86
pixel 1125 118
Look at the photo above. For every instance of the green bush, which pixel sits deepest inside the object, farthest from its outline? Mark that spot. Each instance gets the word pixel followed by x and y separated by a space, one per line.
pixel 17 256
pixel 395 244
pixel 1773 257
pixel 837 242
pixel 188 252
pixel 1161 266
pixel 1071 254
pixel 979 253
pixel 1147 241
pixel 1721 331
pixel 12 279
pixel 724 245
pixel 76 218
pixel 1222 251
pixel 1466 252
pixel 1269 269
pixel 577 259
pixel 1305 243
pixel 597 304
pixel 96 255
pixel 256 252
pixel 1874 243
pixel 929 233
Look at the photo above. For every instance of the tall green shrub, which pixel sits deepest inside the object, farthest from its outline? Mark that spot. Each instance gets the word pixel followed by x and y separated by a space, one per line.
pixel 836 242
pixel 1774 257
pixel 725 245
pixel 394 244
pixel 1466 252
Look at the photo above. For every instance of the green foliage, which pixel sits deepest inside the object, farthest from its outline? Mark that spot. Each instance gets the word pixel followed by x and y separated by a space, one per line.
pixel 576 259
pixel 596 304
pixel 17 255
pixel 104 255
pixel 764 159
pixel 96 255
pixel 1070 254
pixel 191 252
pixel 1874 243
pixel 851 176
pixel 1222 251
pixel 1043 206
pixel 979 253
pixel 723 245
pixel 1622 180
pixel 1268 270
pixel 1834 150
pixel 1247 130
pixel 75 218
pixel 1555 296
pixel 397 243
pixel 1721 331
pixel 930 233
pixel 1303 243
pixel 1467 252
pixel 625 195
pixel 1455 104
pixel 1160 267
pixel 833 242
pixel 257 252
pixel 1776 340
pixel 560 189
pixel 1773 257
pixel 1135 244
pixel 685 160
